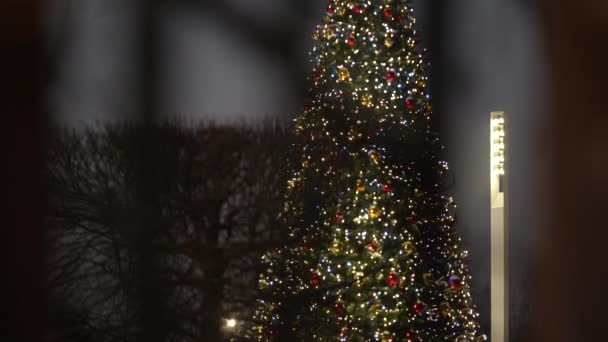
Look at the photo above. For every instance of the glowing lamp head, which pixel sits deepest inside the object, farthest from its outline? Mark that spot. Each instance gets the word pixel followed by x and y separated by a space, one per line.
pixel 498 144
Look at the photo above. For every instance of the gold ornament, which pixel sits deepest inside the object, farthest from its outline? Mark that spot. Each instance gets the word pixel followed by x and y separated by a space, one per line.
pixel 409 247
pixel 374 307
pixel 341 10
pixel 298 130
pixel 344 74
pixel 366 100
pixel 373 212
pixel 389 42
pixel 387 337
pixel 336 247
pixel 360 186
pixel 329 34
pixel 305 163
pixel 316 35
pixel 374 156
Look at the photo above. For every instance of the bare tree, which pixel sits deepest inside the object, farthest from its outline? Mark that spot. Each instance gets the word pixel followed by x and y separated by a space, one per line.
pixel 217 203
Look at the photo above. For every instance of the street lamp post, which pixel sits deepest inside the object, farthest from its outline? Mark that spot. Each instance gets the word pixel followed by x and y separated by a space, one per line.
pixel 499 231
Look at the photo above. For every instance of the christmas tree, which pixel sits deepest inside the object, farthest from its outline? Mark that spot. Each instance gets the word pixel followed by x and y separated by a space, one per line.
pixel 372 253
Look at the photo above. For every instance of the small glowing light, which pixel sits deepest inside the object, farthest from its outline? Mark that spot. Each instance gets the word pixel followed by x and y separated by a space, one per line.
pixel 231 323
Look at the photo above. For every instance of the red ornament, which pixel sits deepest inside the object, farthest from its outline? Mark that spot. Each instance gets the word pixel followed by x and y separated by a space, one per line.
pixel 372 246
pixel 339 309
pixel 455 283
pixel 393 279
pixel 315 279
pixel 344 332
pixel 330 10
pixel 418 308
pixel 299 185
pixel 400 19
pixel 387 188
pixel 391 75
pixel 410 335
pixel 351 41
pixel 388 13
pixel 358 9
pixel 410 103
pixel 272 334
pixel 338 217
pixel 412 219
pixel 315 75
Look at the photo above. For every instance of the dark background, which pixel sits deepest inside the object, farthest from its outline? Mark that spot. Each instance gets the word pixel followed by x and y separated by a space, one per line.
pixel 569 275
pixel 236 60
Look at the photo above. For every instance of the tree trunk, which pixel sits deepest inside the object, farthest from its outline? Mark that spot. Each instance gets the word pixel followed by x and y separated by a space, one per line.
pixel 213 298
pixel 214 266
pixel 212 310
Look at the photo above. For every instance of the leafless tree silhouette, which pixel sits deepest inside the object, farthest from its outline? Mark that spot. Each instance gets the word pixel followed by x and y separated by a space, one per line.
pixel 219 194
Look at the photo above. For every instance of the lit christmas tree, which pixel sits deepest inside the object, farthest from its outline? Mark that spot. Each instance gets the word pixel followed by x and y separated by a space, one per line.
pixel 372 253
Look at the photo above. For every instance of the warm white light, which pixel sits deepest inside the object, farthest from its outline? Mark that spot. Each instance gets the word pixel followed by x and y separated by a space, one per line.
pixel 498 144
pixel 231 323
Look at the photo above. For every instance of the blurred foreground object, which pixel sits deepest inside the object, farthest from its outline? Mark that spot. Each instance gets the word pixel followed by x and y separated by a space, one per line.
pixel 22 61
pixel 572 273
